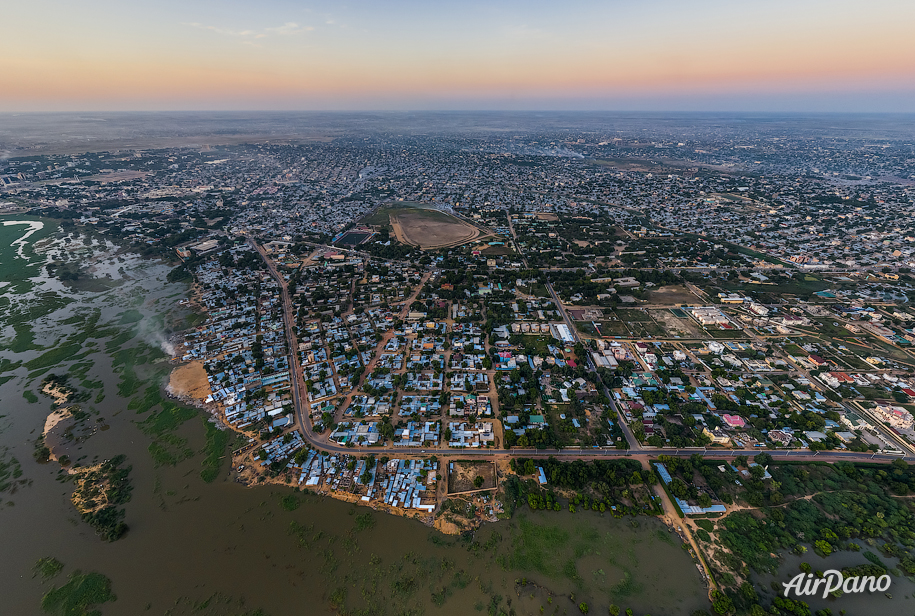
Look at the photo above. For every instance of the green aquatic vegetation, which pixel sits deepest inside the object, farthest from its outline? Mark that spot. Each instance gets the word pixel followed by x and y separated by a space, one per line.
pixel 47 567
pixel 168 419
pixel 10 472
pixel 301 533
pixel 39 306
pixel 8 366
pixel 365 521
pixel 98 494
pixel 166 448
pixel 213 450
pixel 78 371
pixel 664 536
pixel 151 397
pixel 461 580
pixel 30 396
pixel 41 453
pixel 627 586
pixel 535 546
pixel 129 382
pixel 131 316
pixel 216 604
pixel 24 340
pixel 55 356
pixel 118 340
pixel 125 361
pixel 83 315
pixel 290 502
pixel 92 384
pixel 169 450
pixel 79 596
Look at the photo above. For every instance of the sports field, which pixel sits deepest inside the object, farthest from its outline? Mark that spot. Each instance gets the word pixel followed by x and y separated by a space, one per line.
pixel 422 226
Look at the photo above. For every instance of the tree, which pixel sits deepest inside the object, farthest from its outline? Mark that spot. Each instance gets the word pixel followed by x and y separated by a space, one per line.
pixel 721 603
pixel 478 482
pixel 678 488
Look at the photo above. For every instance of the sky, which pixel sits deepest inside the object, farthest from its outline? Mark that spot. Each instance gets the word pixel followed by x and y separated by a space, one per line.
pixel 659 55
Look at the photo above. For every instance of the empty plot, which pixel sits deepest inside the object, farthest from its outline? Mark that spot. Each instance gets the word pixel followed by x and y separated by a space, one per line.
pixel 429 228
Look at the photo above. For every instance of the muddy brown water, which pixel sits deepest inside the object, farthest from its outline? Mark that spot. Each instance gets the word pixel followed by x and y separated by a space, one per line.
pixel 223 548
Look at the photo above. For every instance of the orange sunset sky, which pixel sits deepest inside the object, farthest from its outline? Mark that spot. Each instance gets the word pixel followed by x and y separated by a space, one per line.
pixel 774 55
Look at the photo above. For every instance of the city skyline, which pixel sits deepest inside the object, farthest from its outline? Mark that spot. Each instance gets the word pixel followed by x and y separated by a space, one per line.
pixel 708 56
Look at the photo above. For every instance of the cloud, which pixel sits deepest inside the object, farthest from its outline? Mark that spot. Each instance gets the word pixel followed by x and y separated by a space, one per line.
pixel 287 29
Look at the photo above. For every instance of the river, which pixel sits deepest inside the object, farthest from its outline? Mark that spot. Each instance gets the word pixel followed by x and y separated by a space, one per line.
pixel 222 548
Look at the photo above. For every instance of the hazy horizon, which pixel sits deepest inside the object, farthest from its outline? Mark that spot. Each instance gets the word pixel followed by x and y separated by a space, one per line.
pixel 661 55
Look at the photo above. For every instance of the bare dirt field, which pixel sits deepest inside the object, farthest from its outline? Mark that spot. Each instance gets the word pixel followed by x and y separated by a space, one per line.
pixel 671 294
pixel 189 381
pixel 675 326
pixel 429 228
pixel 461 476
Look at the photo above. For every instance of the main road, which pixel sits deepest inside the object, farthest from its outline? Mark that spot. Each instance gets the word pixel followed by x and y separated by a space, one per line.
pixel 303 418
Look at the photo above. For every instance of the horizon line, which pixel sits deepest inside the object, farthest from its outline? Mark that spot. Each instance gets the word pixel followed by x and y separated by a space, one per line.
pixel 481 110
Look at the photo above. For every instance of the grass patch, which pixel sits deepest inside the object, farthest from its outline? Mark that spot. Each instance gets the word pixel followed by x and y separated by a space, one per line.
pixel 79 595
pixel 632 316
pixel 30 396
pixel 536 546
pixel 706 525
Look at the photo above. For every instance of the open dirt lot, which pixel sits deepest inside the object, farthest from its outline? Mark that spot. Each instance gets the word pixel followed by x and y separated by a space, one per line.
pixel 460 478
pixel 190 381
pixel 675 326
pixel 428 228
pixel 671 294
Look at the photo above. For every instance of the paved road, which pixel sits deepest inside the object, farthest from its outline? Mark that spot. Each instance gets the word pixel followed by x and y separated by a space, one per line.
pixel 634 444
